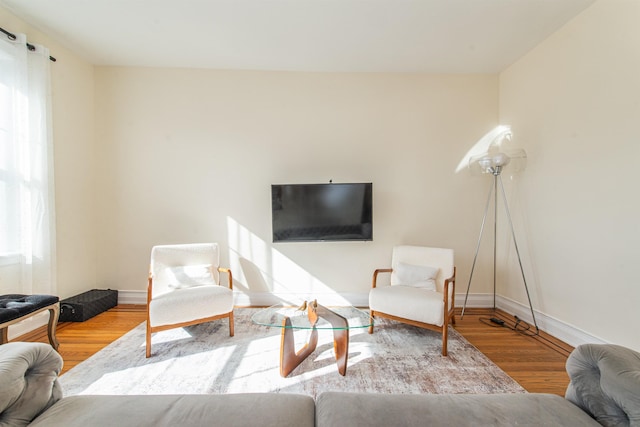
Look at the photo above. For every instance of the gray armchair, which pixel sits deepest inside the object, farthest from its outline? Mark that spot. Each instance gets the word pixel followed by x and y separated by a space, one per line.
pixel 605 383
pixel 28 381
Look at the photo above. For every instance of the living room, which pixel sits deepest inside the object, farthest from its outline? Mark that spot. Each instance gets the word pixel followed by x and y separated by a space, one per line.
pixel 150 155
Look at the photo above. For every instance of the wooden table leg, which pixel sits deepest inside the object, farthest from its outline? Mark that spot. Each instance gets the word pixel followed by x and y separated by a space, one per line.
pixel 54 314
pixel 289 358
pixel 340 336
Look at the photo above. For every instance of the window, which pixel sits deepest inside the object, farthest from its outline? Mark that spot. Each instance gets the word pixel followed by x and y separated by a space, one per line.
pixel 8 174
pixel 27 227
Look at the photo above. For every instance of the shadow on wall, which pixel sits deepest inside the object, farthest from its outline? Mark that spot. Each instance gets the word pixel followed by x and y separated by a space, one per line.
pixel 254 278
pixel 266 276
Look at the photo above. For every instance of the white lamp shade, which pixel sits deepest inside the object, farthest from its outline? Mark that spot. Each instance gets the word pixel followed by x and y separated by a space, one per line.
pixel 490 162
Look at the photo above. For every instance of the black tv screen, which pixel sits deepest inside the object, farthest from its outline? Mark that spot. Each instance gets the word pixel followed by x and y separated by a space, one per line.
pixel 321 212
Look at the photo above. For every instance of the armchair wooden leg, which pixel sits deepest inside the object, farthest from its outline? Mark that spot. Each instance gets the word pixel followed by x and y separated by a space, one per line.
pixel 371 325
pixel 445 333
pixel 231 331
pixel 148 341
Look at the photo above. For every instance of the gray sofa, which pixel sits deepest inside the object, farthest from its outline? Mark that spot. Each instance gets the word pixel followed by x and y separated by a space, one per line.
pixel 605 386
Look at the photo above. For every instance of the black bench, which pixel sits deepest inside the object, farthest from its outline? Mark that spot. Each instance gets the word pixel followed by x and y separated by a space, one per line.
pixel 15 308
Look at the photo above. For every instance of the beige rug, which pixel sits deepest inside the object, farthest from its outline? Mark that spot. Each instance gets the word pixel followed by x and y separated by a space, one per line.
pixel 203 359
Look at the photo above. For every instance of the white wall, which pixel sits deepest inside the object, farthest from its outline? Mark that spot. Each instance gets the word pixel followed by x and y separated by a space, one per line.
pixel 574 105
pixel 189 156
pixel 73 134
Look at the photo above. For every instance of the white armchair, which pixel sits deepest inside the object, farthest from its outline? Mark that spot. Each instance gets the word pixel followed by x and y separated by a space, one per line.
pixel 184 288
pixel 421 291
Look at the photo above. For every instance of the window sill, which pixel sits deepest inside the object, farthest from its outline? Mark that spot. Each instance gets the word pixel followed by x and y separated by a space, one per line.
pixel 9 259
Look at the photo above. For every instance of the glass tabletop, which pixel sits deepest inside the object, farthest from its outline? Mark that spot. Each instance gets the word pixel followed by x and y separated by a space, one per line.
pixel 274 316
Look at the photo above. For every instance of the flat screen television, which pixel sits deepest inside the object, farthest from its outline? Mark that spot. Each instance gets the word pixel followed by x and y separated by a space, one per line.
pixel 322 212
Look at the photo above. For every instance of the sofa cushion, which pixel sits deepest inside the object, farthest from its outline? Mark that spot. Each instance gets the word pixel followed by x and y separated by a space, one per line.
pixel 28 381
pixel 605 382
pixel 268 409
pixel 370 410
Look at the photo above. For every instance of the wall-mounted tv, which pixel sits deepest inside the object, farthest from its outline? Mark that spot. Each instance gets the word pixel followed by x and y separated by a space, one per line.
pixel 322 212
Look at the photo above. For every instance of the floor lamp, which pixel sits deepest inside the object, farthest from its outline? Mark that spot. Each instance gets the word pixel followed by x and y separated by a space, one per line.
pixel 494 164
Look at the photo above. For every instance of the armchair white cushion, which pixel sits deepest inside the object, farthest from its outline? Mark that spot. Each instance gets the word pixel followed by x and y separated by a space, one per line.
pixel 419 276
pixel 186 276
pixel 421 291
pixel 190 304
pixel 184 288
pixel 408 302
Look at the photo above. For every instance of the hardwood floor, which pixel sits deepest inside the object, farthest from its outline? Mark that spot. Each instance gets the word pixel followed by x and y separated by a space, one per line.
pixel 81 340
pixel 537 363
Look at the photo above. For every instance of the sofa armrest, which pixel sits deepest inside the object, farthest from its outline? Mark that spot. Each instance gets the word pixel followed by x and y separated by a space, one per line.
pixel 28 381
pixel 605 383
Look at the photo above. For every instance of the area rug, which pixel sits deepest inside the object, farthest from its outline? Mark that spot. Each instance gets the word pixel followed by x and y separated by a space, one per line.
pixel 204 359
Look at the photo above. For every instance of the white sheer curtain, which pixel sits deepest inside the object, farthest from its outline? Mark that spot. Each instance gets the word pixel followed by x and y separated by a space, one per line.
pixel 27 223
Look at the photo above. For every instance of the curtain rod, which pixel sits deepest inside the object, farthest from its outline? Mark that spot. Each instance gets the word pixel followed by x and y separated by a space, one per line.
pixel 31 47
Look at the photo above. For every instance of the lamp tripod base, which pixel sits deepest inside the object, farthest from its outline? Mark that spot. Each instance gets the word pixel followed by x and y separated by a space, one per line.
pixel 493 191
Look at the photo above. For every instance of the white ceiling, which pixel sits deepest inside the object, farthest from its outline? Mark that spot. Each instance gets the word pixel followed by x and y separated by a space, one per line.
pixel 437 36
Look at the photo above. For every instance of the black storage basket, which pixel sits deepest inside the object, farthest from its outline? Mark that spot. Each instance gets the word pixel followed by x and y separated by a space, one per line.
pixel 88 304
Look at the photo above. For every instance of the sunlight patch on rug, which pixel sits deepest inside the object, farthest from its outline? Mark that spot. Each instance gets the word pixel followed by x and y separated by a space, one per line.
pixel 203 359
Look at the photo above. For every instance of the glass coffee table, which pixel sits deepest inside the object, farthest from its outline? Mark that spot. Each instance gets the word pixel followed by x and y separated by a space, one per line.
pixel 312 316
